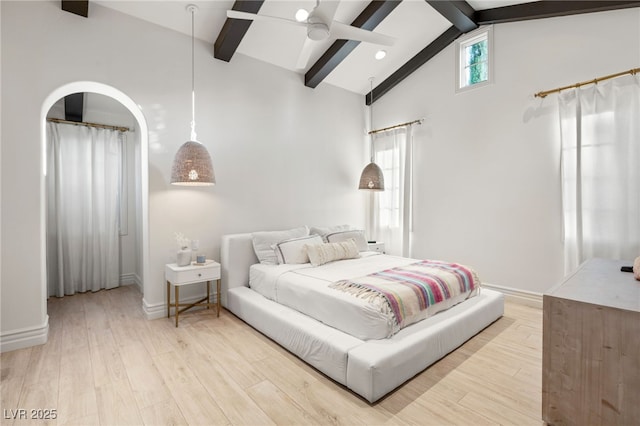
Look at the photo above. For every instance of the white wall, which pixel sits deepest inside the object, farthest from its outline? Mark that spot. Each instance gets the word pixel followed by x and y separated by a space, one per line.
pixel 487 180
pixel 130 247
pixel 283 154
pixel 1 239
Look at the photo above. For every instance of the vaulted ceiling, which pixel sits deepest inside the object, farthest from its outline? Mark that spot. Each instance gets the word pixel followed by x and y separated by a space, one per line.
pixel 422 28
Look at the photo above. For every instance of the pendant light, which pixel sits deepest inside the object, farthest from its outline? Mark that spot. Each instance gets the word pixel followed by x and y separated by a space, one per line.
pixel 192 164
pixel 371 178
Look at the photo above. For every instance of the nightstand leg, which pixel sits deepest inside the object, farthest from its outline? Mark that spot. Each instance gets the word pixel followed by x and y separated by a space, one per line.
pixel 176 302
pixel 208 293
pixel 218 300
pixel 168 299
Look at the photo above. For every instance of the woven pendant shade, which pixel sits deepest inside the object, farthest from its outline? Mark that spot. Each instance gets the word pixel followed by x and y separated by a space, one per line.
pixel 372 178
pixel 192 166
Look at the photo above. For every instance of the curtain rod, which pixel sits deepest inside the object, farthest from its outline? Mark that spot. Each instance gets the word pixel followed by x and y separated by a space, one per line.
pixel 584 83
pixel 409 123
pixel 82 123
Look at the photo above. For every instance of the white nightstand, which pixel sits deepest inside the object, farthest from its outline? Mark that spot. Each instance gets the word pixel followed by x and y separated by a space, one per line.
pixel 191 274
pixel 377 246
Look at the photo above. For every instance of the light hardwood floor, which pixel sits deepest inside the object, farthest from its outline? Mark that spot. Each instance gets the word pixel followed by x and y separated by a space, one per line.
pixel 105 364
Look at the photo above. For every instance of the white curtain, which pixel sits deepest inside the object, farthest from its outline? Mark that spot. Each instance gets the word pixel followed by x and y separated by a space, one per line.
pixel 600 131
pixel 84 168
pixel 391 212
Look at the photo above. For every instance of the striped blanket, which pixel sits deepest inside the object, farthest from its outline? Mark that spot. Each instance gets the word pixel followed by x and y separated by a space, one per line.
pixel 407 291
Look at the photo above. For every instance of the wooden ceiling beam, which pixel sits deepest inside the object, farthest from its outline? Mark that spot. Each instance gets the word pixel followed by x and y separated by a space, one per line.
pixel 435 47
pixel 78 7
pixel 547 9
pixel 459 13
pixel 233 30
pixel 74 107
pixel 370 17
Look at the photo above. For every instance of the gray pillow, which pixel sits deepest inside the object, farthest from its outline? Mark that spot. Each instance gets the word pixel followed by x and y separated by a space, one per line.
pixel 294 251
pixel 357 235
pixel 264 242
pixel 323 231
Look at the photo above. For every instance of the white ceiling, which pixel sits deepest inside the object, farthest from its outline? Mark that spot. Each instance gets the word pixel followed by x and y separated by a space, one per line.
pixel 413 23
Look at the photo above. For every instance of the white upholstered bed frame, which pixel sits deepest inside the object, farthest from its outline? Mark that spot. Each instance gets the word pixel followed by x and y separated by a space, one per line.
pixel 370 368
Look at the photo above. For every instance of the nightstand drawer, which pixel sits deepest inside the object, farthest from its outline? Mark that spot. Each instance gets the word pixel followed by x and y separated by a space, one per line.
pixel 379 247
pixel 192 274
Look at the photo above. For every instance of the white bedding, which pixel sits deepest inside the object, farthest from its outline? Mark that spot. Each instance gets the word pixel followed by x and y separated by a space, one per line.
pixel 306 289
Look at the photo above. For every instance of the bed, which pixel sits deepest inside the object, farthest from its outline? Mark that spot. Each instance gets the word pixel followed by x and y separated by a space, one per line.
pixel 371 367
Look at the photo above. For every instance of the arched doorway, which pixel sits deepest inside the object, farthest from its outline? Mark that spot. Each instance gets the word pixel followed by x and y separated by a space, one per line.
pixel 142 134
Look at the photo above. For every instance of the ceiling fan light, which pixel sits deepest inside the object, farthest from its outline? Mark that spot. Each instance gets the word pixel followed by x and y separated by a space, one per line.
pixel 302 15
pixel 317 31
pixel 380 54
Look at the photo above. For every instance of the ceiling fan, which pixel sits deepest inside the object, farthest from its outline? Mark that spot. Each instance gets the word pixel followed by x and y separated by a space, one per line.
pixel 320 26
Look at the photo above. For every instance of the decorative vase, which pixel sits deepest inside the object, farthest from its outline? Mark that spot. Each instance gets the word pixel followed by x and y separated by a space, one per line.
pixel 183 257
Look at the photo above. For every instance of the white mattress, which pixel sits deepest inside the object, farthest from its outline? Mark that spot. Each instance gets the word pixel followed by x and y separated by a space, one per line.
pixel 370 368
pixel 306 289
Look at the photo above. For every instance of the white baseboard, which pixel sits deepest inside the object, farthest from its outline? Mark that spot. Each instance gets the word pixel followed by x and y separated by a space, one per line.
pixel 154 311
pixel 127 279
pixel 138 282
pixel 159 310
pixel 24 338
pixel 131 279
pixel 523 297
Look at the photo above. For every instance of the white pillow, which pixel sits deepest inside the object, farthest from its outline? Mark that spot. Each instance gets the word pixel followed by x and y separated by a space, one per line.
pixel 324 230
pixel 293 251
pixel 319 254
pixel 263 242
pixel 357 235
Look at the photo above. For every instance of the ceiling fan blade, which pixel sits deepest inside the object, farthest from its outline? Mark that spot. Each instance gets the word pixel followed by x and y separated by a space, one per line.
pixel 325 11
pixel 305 53
pixel 236 14
pixel 348 32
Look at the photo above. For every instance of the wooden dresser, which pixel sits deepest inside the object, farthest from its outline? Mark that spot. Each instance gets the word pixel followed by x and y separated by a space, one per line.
pixel 591 347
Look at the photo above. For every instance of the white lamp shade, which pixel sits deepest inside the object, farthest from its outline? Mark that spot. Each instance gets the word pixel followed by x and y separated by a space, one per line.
pixel 372 178
pixel 192 166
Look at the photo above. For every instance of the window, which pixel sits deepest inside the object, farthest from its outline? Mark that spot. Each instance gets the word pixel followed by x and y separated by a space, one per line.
pixel 391 212
pixel 388 159
pixel 594 214
pixel 473 59
pixel 600 178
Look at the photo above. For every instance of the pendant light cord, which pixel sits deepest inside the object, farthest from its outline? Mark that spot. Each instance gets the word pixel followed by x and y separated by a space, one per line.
pixel 194 137
pixel 371 117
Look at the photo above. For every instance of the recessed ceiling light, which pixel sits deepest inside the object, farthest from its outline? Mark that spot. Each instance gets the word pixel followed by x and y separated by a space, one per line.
pixel 302 15
pixel 381 54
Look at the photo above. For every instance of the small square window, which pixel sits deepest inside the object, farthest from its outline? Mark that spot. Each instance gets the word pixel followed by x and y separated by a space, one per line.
pixel 473 59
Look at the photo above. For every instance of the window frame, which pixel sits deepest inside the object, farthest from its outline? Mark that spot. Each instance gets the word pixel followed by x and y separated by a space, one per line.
pixel 468 40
